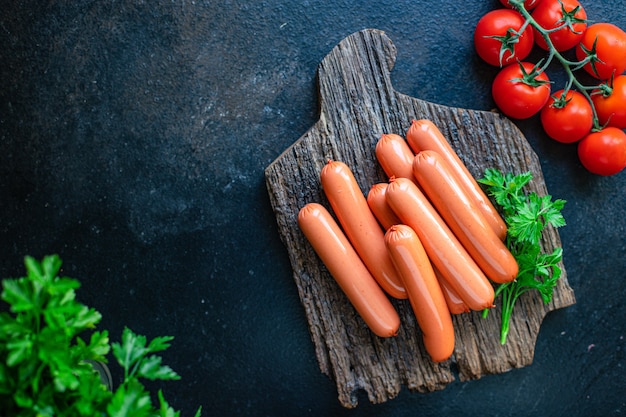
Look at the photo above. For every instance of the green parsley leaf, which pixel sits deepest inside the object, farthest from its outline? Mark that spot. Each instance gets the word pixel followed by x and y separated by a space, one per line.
pixel 134 355
pixel 46 367
pixel 130 399
pixel 527 215
pixel 18 294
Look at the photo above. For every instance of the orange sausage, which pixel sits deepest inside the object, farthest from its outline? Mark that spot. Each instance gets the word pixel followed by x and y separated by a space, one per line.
pixel 377 203
pixel 454 302
pixel 360 225
pixel 443 248
pixel 459 212
pixel 425 295
pixel 344 264
pixel 424 135
pixel 395 156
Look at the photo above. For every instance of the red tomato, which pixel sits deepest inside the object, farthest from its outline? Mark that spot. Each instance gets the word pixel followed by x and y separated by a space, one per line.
pixel 567 14
pixel 518 92
pixel 610 48
pixel 603 152
pixel 611 110
pixel 528 4
pixel 495 37
pixel 567 120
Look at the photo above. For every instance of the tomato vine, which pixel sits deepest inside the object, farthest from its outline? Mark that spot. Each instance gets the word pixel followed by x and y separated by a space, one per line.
pixel 558 26
pixel 568 65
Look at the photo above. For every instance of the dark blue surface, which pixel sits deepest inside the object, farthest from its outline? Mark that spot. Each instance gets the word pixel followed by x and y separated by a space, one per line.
pixel 133 138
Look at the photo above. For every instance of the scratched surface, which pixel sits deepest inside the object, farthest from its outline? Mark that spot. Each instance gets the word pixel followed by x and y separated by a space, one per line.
pixel 134 136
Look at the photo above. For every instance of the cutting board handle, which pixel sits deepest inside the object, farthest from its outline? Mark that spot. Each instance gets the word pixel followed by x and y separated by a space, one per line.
pixel 354 80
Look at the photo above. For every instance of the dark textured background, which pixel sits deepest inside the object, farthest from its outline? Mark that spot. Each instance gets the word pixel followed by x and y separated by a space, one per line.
pixel 133 138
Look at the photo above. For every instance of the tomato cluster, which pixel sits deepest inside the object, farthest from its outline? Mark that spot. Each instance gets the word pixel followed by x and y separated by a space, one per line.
pixel 593 116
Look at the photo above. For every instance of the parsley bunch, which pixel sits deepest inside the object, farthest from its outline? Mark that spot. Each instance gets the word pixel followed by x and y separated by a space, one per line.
pixel 46 366
pixel 526 215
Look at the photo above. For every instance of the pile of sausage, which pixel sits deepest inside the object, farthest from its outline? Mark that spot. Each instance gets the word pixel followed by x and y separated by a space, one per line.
pixel 429 234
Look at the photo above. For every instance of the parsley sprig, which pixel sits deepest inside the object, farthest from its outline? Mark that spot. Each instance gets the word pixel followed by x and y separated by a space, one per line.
pixel 46 366
pixel 527 215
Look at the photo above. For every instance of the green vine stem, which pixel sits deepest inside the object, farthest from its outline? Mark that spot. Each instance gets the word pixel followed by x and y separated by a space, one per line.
pixel 568 65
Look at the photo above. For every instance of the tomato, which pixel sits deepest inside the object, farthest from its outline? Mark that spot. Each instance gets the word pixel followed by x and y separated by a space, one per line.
pixel 611 110
pixel 603 152
pixel 496 39
pixel 610 50
pixel 567 119
pixel 518 92
pixel 567 14
pixel 528 4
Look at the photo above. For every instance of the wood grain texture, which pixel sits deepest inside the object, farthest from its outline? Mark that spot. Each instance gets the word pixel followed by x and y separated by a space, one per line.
pixel 357 105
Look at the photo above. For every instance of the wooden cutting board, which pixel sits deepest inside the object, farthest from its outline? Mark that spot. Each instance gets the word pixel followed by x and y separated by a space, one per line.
pixel 358 104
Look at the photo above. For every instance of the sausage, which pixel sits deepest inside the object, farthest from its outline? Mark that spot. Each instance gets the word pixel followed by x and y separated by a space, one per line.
pixel 425 295
pixel 377 203
pixel 360 225
pixel 459 212
pixel 395 156
pixel 454 302
pixel 443 248
pixel 424 135
pixel 344 264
